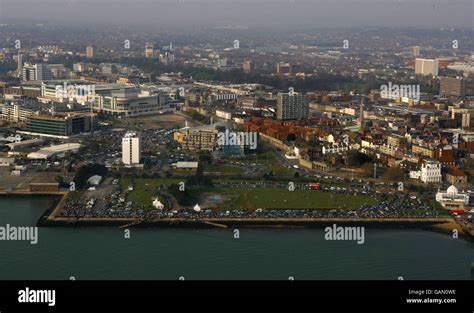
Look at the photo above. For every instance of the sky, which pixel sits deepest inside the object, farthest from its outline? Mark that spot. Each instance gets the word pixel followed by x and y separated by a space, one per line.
pixel 248 13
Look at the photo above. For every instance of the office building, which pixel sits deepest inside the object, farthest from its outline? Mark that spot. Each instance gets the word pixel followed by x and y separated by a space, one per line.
pixel 89 51
pixel 149 51
pixel 58 71
pixel 290 107
pixel 67 91
pixel 166 57
pixel 80 67
pixel 36 72
pixel 284 68
pixel 443 63
pixel 131 102
pixel 19 64
pixel 452 86
pixel 20 92
pixel 28 72
pixel 426 67
pixel 15 113
pixel 361 113
pixel 415 51
pixel 59 125
pixel 131 148
pixel 199 138
pixel 247 67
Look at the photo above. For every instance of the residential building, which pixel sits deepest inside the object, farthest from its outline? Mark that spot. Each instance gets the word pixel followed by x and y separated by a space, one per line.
pixel 415 50
pixel 131 148
pixel 199 138
pixel 284 68
pixel 292 106
pixel 430 172
pixel 247 67
pixel 90 51
pixel 426 67
pixel 426 151
pixel 456 176
pixel 452 86
pixel 149 51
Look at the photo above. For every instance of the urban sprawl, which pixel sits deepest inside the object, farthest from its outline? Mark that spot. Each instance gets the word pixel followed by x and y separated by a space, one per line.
pixel 356 124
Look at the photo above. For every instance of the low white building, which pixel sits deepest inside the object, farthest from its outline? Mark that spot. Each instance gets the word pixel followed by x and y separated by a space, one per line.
pixel 158 205
pixel 430 172
pixel 293 155
pixel 339 148
pixel 54 151
pixel 94 180
pixel 185 165
pixel 224 114
pixel 452 198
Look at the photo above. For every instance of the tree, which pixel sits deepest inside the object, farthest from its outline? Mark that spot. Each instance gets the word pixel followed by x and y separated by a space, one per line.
pixel 268 176
pixel 394 174
pixel 356 158
pixel 313 141
pixel 183 197
pixel 205 157
pixel 368 169
pixel 87 171
pixel 291 137
pixel 199 178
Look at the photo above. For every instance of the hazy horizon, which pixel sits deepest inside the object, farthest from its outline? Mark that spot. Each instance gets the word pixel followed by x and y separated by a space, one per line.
pixel 245 13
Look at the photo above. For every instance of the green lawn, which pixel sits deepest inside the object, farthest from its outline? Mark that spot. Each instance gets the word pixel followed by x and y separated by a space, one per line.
pixel 279 170
pixel 298 199
pixel 253 198
pixel 267 158
pixel 143 191
pixel 223 168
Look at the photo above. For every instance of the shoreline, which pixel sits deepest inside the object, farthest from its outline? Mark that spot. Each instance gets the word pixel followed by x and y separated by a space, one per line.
pixel 444 225
pixel 47 220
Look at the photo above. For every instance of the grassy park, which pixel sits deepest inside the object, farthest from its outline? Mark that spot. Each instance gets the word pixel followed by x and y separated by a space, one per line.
pixel 223 168
pixel 145 189
pixel 298 199
pixel 252 198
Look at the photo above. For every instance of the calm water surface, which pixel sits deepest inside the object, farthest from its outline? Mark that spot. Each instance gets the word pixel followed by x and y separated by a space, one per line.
pixel 152 253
